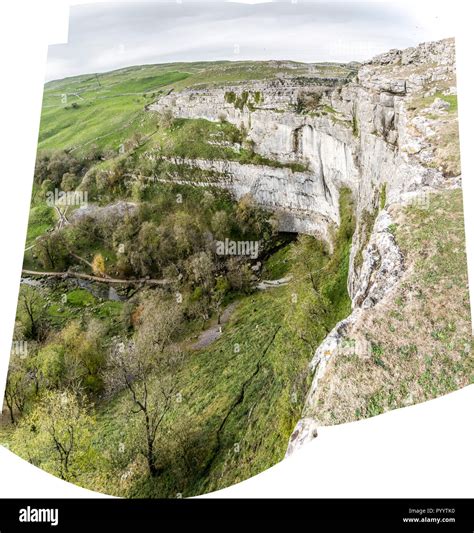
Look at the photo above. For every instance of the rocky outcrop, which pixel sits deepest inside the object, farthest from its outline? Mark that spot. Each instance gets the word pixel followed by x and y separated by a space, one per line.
pixel 379 133
pixel 279 132
pixel 381 270
pixel 111 212
pixel 306 429
pixel 299 199
pixel 382 265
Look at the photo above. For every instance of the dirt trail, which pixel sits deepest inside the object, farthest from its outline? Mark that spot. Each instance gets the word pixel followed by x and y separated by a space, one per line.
pixel 273 283
pixel 214 332
pixel 211 334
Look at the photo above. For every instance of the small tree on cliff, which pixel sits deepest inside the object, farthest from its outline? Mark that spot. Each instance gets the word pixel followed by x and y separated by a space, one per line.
pixel 166 119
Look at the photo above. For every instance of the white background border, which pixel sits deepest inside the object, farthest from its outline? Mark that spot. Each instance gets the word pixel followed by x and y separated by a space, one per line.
pixel 419 451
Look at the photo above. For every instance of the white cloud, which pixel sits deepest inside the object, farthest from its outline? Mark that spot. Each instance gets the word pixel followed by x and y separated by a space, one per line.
pixel 109 36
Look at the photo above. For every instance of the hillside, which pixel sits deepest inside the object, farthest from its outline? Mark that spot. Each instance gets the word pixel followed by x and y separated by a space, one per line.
pixel 105 110
pixel 250 250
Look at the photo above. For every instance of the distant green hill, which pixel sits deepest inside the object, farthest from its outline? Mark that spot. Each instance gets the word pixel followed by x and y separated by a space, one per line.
pixel 104 110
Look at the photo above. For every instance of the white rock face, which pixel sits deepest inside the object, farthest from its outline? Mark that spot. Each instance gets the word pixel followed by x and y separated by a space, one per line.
pixel 299 198
pixel 305 431
pixel 382 265
pixel 365 138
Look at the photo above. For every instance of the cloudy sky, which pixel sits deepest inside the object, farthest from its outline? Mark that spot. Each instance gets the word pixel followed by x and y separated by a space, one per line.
pixel 111 35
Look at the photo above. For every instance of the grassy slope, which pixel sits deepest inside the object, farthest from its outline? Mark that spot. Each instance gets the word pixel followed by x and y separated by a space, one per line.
pixel 243 403
pixel 277 265
pixel 253 393
pixel 245 393
pixel 241 395
pixel 41 217
pixel 421 340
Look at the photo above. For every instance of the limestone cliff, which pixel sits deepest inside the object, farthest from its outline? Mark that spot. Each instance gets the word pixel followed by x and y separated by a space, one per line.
pixel 386 132
pixel 357 132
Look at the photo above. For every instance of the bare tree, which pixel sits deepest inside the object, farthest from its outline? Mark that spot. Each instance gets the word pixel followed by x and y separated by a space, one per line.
pixel 146 368
pixel 52 251
pixel 56 434
pixel 151 388
pixel 18 387
pixel 30 304
pixel 160 321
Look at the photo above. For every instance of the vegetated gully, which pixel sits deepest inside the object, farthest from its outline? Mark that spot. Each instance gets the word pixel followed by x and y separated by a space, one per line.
pixel 106 288
pixel 122 290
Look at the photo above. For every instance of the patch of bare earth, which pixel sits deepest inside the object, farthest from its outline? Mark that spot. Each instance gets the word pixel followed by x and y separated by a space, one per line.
pixel 214 332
